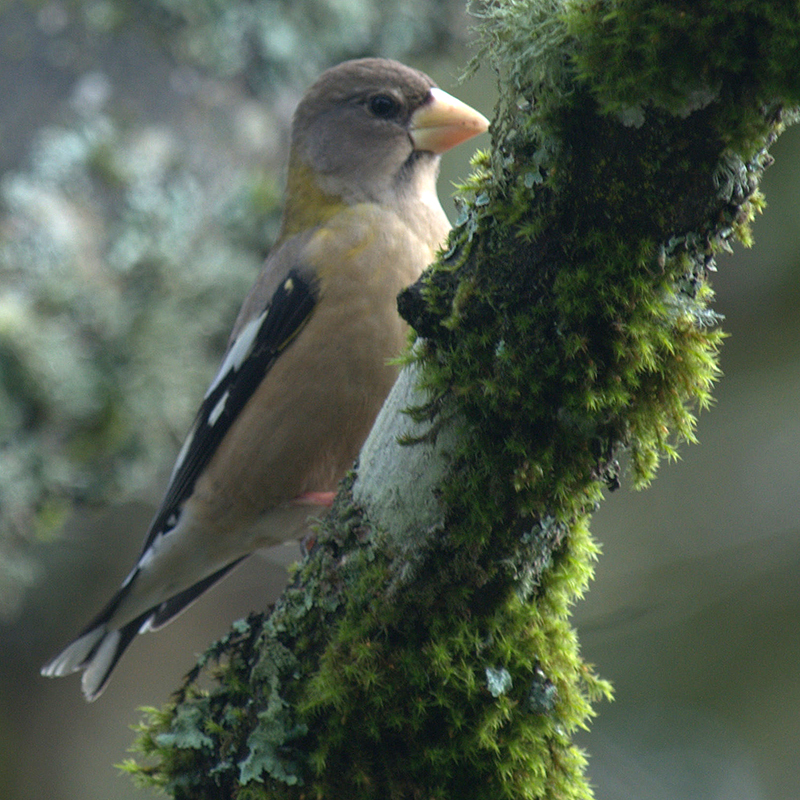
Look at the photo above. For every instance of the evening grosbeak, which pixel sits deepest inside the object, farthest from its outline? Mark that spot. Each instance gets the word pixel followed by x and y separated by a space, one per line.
pixel 306 370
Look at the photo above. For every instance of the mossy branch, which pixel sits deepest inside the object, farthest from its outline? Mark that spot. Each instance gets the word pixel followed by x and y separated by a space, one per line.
pixel 424 649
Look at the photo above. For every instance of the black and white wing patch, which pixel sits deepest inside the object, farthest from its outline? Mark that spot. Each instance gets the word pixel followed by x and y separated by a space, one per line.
pixel 247 361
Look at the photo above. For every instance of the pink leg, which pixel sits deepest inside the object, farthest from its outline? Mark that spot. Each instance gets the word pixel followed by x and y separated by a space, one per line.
pixel 315 499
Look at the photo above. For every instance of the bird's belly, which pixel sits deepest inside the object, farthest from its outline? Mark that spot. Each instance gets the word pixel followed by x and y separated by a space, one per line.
pixel 294 437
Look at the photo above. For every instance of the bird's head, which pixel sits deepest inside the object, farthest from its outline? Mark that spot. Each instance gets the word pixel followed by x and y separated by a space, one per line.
pixel 370 130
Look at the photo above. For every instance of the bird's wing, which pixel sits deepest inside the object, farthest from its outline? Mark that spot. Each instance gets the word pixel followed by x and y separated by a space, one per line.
pixel 260 341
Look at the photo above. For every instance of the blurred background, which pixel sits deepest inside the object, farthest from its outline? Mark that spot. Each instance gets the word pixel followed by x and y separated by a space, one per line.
pixel 141 152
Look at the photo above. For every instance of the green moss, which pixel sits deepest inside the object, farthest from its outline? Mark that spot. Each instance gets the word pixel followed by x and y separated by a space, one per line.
pixel 401 694
pixel 736 56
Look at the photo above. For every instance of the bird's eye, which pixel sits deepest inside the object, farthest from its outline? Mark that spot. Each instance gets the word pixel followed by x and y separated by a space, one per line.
pixel 384 106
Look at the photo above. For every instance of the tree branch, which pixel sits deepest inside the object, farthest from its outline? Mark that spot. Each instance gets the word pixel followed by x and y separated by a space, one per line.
pixel 424 649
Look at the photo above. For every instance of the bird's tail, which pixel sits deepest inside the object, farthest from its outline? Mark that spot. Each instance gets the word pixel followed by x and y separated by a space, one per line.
pixel 100 646
pixel 96 652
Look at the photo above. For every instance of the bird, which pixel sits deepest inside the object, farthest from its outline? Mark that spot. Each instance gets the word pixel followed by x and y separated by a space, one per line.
pixel 307 365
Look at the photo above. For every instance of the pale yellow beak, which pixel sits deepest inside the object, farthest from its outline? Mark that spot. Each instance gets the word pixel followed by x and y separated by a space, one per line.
pixel 443 122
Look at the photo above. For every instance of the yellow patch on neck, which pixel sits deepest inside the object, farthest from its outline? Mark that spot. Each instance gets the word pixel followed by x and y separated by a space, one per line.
pixel 307 205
